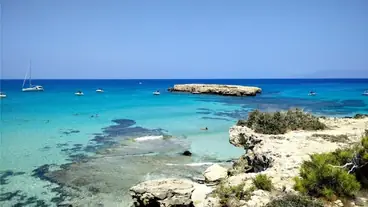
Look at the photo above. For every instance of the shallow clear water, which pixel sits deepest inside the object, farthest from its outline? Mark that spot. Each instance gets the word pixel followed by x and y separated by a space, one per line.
pixel 38 128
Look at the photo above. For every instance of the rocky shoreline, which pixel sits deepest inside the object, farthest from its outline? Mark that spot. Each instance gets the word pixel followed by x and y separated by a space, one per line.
pixel 277 156
pixel 224 90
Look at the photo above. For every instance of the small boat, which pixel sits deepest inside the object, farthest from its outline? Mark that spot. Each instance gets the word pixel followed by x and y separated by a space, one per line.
pixel 365 93
pixel 195 92
pixel 79 93
pixel 156 93
pixel 312 93
pixel 99 90
pixel 30 88
pixel 2 95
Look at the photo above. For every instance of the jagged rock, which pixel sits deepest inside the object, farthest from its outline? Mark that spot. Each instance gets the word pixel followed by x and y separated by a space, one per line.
pixel 241 136
pixel 187 153
pixel 258 162
pixel 225 90
pixel 255 159
pixel 240 166
pixel 215 173
pixel 164 193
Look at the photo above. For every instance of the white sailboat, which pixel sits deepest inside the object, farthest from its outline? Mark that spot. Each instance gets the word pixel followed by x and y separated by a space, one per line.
pixel 2 95
pixel 156 93
pixel 79 93
pixel 31 87
pixel 100 90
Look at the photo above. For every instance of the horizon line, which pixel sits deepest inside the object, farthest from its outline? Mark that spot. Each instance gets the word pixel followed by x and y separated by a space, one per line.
pixel 187 78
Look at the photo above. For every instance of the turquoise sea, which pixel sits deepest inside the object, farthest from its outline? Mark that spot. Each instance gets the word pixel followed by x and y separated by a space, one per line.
pixel 55 127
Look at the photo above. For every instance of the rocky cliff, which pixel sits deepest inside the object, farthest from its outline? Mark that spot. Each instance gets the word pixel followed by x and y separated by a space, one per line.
pixel 277 156
pixel 224 90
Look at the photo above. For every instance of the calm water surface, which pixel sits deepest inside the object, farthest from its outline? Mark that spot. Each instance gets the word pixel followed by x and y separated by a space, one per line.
pixel 54 126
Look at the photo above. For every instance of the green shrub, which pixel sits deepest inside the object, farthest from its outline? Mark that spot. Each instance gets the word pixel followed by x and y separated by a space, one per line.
pixel 342 138
pixel 226 193
pixel 362 155
pixel 294 201
pixel 336 174
pixel 281 122
pixel 323 176
pixel 360 116
pixel 262 182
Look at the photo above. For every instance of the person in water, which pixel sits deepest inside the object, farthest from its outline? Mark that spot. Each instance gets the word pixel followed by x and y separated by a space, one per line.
pixel 204 128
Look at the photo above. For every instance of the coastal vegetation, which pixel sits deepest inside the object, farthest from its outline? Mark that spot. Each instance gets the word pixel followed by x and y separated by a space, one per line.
pixel 341 173
pixel 229 195
pixel 263 182
pixel 281 122
pixel 360 116
pixel 295 201
pixel 332 138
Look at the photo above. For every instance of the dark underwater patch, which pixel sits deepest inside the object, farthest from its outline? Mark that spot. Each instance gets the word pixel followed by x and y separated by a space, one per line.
pixel 80 157
pixel 203 109
pixel 124 128
pixel 216 118
pixel 235 114
pixel 353 103
pixel 75 149
pixel 10 195
pixel 41 171
pixel 45 148
pixel 8 173
pixel 121 129
pixel 203 112
pixel 70 131
pixel 327 107
pixel 22 199
pixel 60 145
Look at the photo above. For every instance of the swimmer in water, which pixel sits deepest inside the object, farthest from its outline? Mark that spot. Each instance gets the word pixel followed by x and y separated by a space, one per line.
pixel 204 128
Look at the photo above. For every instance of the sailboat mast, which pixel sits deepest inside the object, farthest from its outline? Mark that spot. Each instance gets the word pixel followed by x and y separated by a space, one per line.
pixel 30 73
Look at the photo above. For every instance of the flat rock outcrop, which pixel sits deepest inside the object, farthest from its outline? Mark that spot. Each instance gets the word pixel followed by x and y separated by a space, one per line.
pixel 163 192
pixel 172 192
pixel 215 173
pixel 224 90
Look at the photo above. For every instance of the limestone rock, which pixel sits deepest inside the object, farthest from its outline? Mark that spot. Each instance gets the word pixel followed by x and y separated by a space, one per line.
pixel 243 137
pixel 199 195
pixel 225 90
pixel 163 192
pixel 215 173
pixel 338 203
pixel 212 202
pixel 360 201
pixel 258 198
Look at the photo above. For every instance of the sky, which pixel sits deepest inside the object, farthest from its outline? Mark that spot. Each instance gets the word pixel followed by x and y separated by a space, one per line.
pixel 161 39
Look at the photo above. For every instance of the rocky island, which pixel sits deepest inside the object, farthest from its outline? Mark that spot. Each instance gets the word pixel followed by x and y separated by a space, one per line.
pixel 224 90
pixel 277 169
